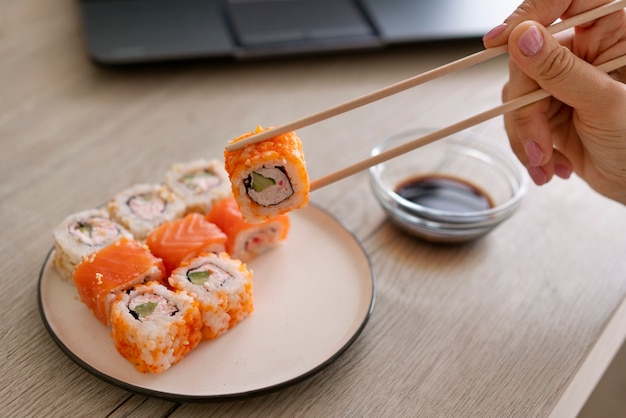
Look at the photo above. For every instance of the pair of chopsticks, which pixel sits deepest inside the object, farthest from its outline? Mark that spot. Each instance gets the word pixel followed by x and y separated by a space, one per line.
pixel 406 84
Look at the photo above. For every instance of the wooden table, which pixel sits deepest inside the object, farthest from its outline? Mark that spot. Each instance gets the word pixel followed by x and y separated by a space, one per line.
pixel 520 323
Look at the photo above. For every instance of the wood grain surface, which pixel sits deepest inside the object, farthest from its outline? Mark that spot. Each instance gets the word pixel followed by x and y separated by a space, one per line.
pixel 510 325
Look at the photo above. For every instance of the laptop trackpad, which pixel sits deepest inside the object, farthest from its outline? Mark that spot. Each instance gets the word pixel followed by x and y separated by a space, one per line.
pixel 258 22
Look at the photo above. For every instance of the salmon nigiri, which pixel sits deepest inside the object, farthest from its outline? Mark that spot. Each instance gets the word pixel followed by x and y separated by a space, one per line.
pixel 245 240
pixel 185 238
pixel 115 268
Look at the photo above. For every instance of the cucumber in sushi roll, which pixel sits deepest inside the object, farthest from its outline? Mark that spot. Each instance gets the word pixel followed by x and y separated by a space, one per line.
pixel 222 286
pixel 154 327
pixel 199 183
pixel 268 178
pixel 113 269
pixel 80 234
pixel 143 207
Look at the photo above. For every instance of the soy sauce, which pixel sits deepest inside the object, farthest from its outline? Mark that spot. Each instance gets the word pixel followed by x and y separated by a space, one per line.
pixel 445 193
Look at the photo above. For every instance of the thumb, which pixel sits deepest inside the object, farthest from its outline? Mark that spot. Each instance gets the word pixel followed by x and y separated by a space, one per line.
pixel 557 70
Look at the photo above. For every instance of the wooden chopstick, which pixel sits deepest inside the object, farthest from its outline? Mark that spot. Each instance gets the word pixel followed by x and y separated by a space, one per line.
pixel 408 83
pixel 449 130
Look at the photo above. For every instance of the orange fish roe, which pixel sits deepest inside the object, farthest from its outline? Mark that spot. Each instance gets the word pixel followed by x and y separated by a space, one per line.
pixel 158 330
pixel 222 286
pixel 268 178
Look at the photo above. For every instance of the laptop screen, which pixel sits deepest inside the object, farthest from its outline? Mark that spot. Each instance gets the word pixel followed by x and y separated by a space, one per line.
pixel 154 30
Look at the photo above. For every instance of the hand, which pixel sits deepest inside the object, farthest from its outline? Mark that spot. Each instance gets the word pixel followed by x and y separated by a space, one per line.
pixel 582 128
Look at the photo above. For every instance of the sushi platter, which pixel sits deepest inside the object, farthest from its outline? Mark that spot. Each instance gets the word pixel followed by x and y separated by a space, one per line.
pixel 305 317
pixel 184 291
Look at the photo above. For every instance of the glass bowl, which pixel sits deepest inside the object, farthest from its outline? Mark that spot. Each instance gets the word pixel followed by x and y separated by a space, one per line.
pixel 453 190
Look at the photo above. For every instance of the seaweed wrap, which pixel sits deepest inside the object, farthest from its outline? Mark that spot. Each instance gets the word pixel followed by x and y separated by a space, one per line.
pixel 222 286
pixel 268 178
pixel 199 183
pixel 154 327
pixel 79 235
pixel 143 207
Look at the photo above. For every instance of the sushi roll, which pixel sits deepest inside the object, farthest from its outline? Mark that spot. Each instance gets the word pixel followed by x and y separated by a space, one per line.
pixel 112 270
pixel 246 241
pixel 143 207
pixel 222 286
pixel 199 183
pixel 181 239
pixel 154 327
pixel 268 178
pixel 79 235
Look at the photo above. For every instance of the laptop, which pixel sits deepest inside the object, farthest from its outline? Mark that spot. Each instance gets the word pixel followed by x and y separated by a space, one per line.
pixel 135 31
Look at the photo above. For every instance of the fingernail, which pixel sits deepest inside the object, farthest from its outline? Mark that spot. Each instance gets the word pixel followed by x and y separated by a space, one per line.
pixel 562 171
pixel 530 42
pixel 495 32
pixel 533 153
pixel 538 176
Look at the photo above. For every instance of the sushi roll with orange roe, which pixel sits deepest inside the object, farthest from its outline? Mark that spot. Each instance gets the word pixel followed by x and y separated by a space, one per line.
pixel 154 327
pixel 222 286
pixel 268 178
pixel 112 270
pixel 246 241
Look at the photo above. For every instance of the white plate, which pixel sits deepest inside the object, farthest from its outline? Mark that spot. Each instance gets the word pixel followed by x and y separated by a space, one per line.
pixel 313 296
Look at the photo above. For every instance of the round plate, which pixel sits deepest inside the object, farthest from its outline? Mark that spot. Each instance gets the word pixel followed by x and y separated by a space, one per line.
pixel 313 296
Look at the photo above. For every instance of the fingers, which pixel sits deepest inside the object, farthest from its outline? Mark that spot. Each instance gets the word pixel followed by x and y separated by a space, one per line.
pixel 529 128
pixel 541 160
pixel 538 59
pixel 529 135
pixel 555 136
pixel 557 70
pixel 602 41
pixel 542 11
pixel 559 165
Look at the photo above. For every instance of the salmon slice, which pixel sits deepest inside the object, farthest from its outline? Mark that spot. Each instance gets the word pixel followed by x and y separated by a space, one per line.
pixel 246 241
pixel 115 268
pixel 185 238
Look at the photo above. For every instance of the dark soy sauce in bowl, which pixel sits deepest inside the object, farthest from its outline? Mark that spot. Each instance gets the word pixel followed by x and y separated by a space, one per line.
pixel 445 193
